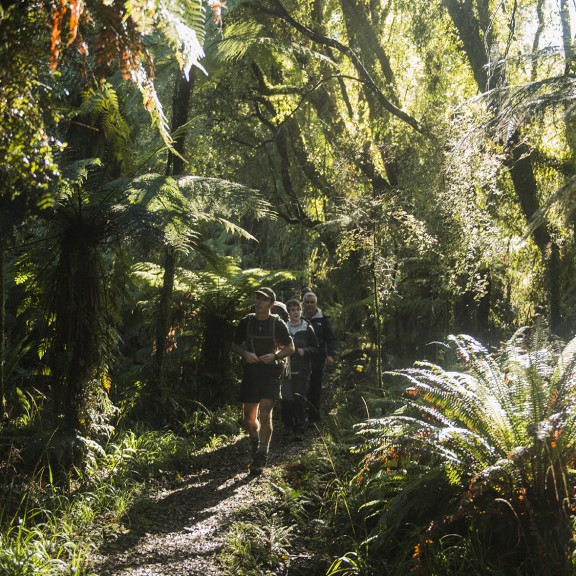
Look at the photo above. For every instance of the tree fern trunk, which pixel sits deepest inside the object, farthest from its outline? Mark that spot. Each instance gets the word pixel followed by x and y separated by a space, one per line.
pixel 174 165
pixel 77 310
pixel 164 306
pixel 183 89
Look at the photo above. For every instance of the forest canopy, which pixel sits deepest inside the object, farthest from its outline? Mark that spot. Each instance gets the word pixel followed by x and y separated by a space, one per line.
pixel 422 149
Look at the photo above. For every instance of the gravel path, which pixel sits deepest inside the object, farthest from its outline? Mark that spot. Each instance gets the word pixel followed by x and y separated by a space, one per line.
pixel 185 526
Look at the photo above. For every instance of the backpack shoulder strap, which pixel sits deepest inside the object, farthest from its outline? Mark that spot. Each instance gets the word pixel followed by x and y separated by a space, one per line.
pixel 274 318
pixel 250 331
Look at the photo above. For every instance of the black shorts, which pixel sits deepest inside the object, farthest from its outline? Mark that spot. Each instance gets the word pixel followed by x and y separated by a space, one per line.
pixel 260 382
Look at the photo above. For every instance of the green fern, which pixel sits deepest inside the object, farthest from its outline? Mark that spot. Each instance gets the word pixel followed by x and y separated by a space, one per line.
pixel 102 103
pixel 185 33
pixel 182 27
pixel 185 201
pixel 498 437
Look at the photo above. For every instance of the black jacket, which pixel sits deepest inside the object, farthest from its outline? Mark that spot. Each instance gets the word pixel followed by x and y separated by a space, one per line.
pixel 324 334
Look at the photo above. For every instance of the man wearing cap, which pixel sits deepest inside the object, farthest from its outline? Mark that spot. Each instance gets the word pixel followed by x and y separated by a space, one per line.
pixel 263 340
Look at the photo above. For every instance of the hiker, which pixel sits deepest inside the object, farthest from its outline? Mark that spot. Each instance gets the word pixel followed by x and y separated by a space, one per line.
pixel 279 308
pixel 294 403
pixel 324 357
pixel 263 340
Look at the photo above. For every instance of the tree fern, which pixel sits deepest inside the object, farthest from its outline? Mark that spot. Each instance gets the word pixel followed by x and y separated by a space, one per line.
pixel 120 34
pixel 185 201
pixel 185 32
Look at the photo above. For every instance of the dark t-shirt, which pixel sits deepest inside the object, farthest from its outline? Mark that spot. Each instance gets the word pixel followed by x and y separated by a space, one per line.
pixel 262 336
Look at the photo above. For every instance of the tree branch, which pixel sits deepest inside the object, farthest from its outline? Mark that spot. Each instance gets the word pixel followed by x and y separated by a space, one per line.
pixel 365 76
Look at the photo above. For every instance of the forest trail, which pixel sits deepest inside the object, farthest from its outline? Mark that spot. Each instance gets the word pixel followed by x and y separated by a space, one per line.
pixel 181 529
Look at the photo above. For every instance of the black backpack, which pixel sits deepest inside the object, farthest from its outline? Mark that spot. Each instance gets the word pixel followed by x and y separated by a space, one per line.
pixel 284 363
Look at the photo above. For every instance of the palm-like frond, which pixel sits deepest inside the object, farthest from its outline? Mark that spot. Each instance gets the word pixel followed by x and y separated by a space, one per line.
pixel 501 430
pixel 239 38
pixel 497 404
pixel 184 201
pixel 184 29
pixel 245 36
pixel 520 104
pixel 222 198
pixel 249 35
pixel 102 102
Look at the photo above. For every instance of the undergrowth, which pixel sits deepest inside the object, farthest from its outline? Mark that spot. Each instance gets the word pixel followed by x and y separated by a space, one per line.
pixel 461 469
pixel 308 515
pixel 466 468
pixel 50 526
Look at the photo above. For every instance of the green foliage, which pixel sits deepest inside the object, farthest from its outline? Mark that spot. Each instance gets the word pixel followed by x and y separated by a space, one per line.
pixel 29 406
pixel 28 145
pixel 351 564
pixel 493 444
pixel 185 201
pixel 257 546
pixel 27 551
pixel 313 497
pixel 47 529
pixel 366 167
pixel 102 104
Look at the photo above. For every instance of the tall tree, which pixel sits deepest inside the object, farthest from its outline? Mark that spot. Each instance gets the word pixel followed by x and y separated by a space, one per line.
pixel 475 25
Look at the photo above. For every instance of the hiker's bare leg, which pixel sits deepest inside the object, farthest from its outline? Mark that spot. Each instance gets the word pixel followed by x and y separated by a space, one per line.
pixel 251 419
pixel 265 418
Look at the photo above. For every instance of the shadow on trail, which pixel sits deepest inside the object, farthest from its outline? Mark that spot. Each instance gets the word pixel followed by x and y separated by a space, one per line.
pixel 180 530
pixel 210 479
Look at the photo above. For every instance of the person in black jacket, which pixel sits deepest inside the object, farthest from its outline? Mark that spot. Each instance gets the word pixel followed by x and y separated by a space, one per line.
pixel 295 394
pixel 324 357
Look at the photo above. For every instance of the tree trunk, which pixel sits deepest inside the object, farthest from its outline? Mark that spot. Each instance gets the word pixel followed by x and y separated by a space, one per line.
pixel 180 104
pixel 76 351
pixel 462 14
pixel 475 34
pixel 361 31
pixel 174 165
pixel 164 307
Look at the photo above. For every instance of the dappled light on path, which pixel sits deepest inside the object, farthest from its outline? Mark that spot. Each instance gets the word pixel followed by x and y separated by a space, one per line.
pixel 180 531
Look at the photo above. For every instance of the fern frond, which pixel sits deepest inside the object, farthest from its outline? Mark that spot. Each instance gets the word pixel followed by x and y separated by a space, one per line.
pixel 239 37
pixel 186 40
pixel 181 25
pixel 244 36
pixel 294 50
pixel 494 441
pixel 78 172
pixel 235 229
pixel 565 365
pixel 507 421
pixel 223 198
pixel 102 103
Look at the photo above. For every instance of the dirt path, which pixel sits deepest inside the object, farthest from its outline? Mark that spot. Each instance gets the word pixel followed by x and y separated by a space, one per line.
pixel 181 530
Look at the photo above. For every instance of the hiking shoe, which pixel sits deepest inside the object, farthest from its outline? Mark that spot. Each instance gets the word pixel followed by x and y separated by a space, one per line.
pixel 258 464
